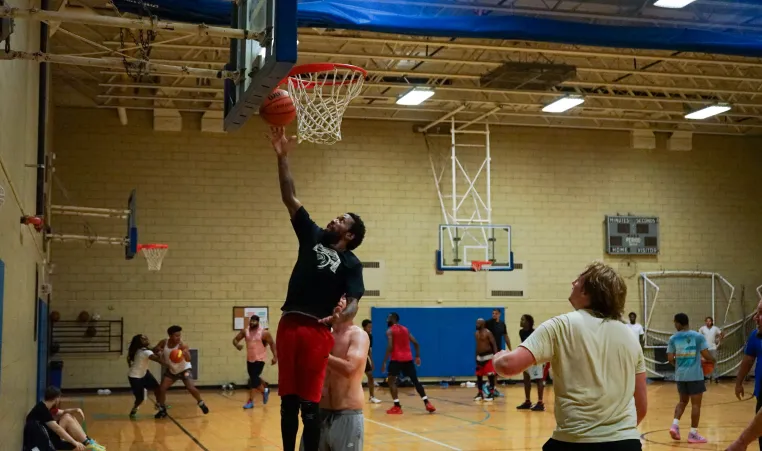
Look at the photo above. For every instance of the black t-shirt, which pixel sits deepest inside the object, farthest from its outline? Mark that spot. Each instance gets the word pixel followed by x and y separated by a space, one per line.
pixel 40 413
pixel 321 274
pixel 524 334
pixel 498 330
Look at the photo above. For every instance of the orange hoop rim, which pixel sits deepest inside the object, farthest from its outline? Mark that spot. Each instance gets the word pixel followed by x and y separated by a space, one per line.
pixel 323 67
pixel 476 265
pixel 152 246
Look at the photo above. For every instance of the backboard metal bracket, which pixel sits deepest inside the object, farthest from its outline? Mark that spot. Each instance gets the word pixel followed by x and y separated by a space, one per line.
pixel 265 63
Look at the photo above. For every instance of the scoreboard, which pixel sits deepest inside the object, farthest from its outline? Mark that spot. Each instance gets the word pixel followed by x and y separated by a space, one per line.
pixel 632 235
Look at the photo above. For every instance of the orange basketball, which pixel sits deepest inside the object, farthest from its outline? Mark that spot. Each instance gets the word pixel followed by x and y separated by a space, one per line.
pixel 708 367
pixel 176 356
pixel 278 109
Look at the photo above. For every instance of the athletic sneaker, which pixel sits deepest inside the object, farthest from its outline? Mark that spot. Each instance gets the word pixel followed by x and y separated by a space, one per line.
pixel 162 413
pixel 374 400
pixel 202 406
pixel 479 398
pixel 525 406
pixel 695 437
pixel 489 398
pixel 674 432
pixel 395 410
pixel 92 446
pixel 133 414
pixel 539 407
pixel 265 396
pixel 430 407
pixel 249 404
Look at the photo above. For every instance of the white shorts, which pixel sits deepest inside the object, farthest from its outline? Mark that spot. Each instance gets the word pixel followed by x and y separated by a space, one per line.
pixel 534 372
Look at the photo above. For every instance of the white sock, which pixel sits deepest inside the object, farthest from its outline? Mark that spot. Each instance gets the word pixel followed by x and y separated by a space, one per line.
pixel 425 398
pixel 396 400
pixel 694 430
pixel 676 422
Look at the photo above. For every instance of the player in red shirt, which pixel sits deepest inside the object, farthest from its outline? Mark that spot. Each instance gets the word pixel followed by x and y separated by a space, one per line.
pixel 398 348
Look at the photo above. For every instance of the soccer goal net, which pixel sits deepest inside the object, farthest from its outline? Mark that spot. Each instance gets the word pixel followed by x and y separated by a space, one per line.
pixel 699 295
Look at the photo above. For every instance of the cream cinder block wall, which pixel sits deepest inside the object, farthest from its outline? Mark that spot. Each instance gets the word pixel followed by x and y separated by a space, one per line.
pixel 18 148
pixel 214 199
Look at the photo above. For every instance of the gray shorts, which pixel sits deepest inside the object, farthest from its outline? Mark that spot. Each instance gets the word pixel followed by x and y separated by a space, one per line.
pixel 691 388
pixel 340 430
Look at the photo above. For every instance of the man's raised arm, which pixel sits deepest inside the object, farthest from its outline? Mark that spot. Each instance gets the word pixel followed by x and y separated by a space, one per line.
pixel 282 146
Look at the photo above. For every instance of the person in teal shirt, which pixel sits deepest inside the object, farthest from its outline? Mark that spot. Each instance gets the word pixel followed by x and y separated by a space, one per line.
pixel 685 351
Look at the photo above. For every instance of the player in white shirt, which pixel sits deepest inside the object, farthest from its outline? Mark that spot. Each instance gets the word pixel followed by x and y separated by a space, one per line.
pixel 138 357
pixel 637 329
pixel 714 336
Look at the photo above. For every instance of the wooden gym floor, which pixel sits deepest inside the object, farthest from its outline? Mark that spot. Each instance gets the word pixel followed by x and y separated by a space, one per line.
pixel 458 424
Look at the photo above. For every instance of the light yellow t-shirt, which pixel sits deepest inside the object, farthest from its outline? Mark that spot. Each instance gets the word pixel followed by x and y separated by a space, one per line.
pixel 594 363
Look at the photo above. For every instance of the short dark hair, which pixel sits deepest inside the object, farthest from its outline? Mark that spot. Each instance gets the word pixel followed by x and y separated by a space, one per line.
pixel 395 315
pixel 255 317
pixel 681 319
pixel 52 392
pixel 365 322
pixel 530 320
pixel 358 230
pixel 496 310
pixel 633 314
pixel 174 329
pixel 709 317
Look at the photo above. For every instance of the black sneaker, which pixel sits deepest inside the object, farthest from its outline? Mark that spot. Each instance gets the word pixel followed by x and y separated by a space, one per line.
pixel 539 407
pixel 489 398
pixel 479 397
pixel 526 406
pixel 162 413
pixel 203 407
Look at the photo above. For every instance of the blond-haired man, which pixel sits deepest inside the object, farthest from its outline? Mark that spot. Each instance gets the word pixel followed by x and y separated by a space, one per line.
pixel 599 371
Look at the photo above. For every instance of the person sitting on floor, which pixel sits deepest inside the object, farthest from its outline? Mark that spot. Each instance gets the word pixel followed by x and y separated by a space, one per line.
pixel 61 425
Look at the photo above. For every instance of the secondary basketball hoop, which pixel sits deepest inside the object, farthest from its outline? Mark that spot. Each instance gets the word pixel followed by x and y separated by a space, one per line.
pixel 477 265
pixel 154 254
pixel 321 93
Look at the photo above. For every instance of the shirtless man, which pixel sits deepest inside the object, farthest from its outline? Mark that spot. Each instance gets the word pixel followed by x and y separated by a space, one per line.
pixel 341 420
pixel 485 349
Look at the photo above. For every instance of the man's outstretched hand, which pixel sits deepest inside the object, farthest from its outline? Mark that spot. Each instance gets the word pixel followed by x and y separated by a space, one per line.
pixel 282 144
pixel 336 312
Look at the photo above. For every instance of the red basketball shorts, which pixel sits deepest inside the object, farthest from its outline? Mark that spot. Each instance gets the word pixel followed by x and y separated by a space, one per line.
pixel 303 346
pixel 484 368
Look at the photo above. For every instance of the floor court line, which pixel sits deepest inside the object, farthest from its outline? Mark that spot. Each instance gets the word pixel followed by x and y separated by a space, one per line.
pixel 444 445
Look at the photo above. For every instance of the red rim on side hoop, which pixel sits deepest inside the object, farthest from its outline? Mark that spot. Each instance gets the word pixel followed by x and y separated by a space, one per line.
pixel 316 68
pixel 154 254
pixel 477 265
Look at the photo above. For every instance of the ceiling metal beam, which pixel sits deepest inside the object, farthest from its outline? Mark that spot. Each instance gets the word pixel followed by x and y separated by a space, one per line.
pixel 121 22
pixel 529 49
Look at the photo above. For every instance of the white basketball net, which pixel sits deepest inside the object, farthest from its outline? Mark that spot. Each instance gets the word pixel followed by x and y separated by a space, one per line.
pixel 321 98
pixel 154 257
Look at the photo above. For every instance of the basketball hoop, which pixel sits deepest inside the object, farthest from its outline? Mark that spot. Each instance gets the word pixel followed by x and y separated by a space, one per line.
pixel 478 265
pixel 154 254
pixel 321 93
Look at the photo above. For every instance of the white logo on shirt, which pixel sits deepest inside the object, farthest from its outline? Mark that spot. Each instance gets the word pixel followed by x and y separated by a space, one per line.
pixel 327 257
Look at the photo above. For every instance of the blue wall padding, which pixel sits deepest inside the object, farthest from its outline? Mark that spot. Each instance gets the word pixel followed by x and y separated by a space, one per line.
pixel 446 336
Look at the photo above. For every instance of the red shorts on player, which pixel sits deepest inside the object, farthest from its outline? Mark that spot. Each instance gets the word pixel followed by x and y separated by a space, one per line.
pixel 303 346
pixel 484 368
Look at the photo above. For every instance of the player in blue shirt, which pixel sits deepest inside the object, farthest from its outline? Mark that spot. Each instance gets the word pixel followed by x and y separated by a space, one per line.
pixel 684 351
pixel 752 353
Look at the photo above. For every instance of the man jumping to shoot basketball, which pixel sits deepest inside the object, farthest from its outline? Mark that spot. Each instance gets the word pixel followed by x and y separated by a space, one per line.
pixel 325 270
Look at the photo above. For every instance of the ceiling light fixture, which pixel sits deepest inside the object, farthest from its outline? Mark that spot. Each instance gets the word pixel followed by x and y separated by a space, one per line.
pixel 415 96
pixel 563 104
